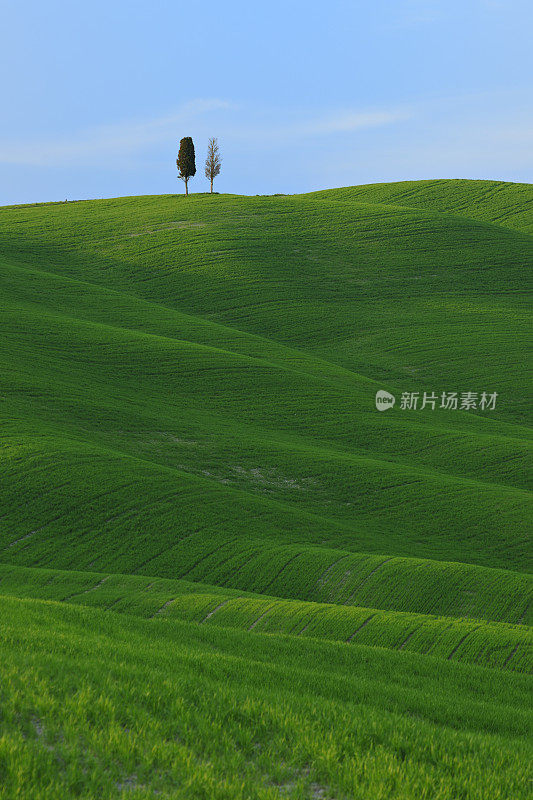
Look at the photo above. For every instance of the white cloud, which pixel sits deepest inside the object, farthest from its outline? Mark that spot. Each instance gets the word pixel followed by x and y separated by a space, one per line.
pixel 324 125
pixel 97 145
pixel 472 148
pixel 112 145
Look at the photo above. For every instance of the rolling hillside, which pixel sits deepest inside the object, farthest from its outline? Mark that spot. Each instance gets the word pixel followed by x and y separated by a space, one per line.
pixel 189 436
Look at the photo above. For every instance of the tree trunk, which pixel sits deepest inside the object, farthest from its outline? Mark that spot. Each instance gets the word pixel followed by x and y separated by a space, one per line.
pixel 211 185
pixel 186 186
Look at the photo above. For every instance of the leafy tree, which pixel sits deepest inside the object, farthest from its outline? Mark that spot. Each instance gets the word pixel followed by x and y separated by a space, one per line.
pixel 213 161
pixel 186 162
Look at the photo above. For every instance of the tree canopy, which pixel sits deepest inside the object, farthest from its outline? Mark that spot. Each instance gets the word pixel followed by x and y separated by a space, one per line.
pixel 213 161
pixel 186 162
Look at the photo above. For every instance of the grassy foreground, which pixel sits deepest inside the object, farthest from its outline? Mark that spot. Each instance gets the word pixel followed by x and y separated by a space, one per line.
pixel 102 705
pixel 223 572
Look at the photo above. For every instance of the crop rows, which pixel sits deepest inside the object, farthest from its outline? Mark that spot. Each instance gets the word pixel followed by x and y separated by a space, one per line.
pixel 491 644
pixel 191 711
pixel 124 340
pixel 297 572
pixel 507 204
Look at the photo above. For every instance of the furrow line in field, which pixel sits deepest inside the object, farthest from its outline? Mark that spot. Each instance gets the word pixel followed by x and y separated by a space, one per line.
pixel 463 639
pixel 352 595
pixel 409 637
pixel 86 591
pixel 305 627
pixel 225 561
pixel 299 622
pixel 349 639
pixel 239 568
pixel 21 539
pixel 322 578
pixel 40 496
pixel 432 643
pixel 37 530
pixel 217 608
pixel 284 567
pixel 511 654
pixel 523 616
pixel 207 555
pixel 152 558
pixel 165 605
pixel 87 502
pixel 114 603
pixel 260 617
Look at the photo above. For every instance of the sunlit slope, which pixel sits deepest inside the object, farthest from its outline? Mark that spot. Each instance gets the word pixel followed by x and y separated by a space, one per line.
pixel 150 708
pixel 291 571
pixel 206 367
pixel 498 202
pixel 489 644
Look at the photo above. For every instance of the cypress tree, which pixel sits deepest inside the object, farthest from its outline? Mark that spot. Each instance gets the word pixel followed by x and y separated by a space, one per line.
pixel 185 161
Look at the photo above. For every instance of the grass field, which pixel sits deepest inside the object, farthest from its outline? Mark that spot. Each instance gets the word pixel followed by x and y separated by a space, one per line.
pixel 223 572
pixel 97 704
pixel 489 643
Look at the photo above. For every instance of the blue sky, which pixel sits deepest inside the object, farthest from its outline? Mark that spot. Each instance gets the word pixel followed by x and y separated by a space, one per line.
pixel 302 95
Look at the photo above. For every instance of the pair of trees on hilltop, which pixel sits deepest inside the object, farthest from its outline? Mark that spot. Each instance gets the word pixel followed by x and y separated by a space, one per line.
pixel 186 161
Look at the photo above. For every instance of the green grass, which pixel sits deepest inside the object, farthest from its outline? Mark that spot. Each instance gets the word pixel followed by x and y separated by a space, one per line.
pixel 489 644
pixel 507 204
pixel 104 705
pixel 187 404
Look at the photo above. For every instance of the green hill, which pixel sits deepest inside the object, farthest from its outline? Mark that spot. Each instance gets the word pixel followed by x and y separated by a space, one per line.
pixel 189 427
pixel 507 204
pixel 110 706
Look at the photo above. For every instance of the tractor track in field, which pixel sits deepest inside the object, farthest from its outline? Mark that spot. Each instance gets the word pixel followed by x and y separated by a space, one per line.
pixel 433 642
pixel 224 583
pixel 217 608
pixel 284 567
pixel 165 549
pixel 152 558
pixel 114 603
pixel 206 556
pixel 362 583
pixel 523 615
pixel 360 628
pixel 86 591
pixel 511 654
pixel 461 641
pixel 21 539
pixel 305 627
pixel 261 616
pixel 69 511
pixel 239 569
pixel 298 623
pixel 163 607
pixel 322 579
pixel 408 638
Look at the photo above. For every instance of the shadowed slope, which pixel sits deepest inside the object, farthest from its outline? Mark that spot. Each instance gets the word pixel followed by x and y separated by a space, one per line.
pixel 208 368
